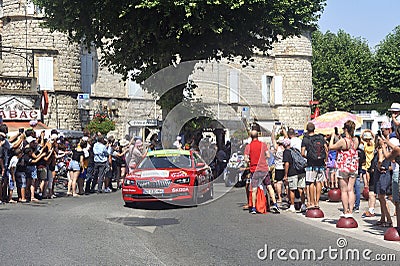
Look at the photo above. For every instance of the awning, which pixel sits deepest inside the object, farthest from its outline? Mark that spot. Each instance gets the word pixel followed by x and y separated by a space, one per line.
pixel 14 126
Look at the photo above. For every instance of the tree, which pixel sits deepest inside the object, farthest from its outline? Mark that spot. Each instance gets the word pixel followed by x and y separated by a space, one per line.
pixel 149 35
pixel 388 67
pixel 343 71
pixel 100 123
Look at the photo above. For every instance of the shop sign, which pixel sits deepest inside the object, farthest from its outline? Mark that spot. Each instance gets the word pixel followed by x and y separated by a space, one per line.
pixel 14 109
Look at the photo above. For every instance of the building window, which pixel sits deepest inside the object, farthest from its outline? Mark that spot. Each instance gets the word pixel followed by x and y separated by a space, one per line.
pixel 234 86
pixel 134 89
pixel 266 82
pixel 87 79
pixel 46 81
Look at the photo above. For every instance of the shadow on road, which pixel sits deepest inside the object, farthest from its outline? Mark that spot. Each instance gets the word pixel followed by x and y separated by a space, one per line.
pixel 138 221
pixel 156 205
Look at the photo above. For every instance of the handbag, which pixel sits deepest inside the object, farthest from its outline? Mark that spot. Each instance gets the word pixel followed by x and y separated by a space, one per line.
pixel 347 160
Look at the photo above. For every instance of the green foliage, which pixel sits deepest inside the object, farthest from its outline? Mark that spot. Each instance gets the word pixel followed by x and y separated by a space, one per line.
pixel 343 71
pixel 388 66
pixel 100 123
pixel 240 134
pixel 147 35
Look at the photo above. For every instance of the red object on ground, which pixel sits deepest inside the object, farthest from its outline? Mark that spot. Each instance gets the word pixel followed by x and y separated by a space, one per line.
pixel 334 195
pixel 365 193
pixel 346 223
pixel 261 201
pixel 392 234
pixel 315 213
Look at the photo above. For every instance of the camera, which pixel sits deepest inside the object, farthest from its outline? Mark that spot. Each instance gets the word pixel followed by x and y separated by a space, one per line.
pixel 379 133
pixel 21 130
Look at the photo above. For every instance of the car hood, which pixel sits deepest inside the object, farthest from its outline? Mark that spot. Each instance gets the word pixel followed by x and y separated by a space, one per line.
pixel 161 173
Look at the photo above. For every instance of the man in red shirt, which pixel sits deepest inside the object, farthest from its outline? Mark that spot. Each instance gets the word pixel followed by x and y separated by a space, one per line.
pixel 256 154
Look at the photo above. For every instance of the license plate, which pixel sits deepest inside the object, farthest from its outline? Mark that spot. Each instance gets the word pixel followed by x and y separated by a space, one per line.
pixel 153 191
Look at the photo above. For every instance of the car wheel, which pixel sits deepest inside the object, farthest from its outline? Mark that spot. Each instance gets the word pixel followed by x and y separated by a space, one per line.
pixel 210 193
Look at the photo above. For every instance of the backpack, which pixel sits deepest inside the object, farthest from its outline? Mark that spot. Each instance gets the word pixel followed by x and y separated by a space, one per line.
pixel 299 162
pixel 316 150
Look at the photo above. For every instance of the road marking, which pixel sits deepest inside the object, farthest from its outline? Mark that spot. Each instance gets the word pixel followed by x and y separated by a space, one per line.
pixel 149 229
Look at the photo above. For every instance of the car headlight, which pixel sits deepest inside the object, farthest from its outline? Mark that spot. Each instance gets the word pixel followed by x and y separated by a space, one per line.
pixel 185 180
pixel 129 182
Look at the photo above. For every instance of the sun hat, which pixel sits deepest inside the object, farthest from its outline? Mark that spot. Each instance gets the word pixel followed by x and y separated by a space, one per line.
pixel 123 142
pixel 30 139
pixel 395 107
pixel 367 135
pixel 386 125
pixel 286 142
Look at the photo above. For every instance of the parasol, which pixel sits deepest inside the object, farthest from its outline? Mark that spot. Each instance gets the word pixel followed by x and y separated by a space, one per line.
pixel 326 123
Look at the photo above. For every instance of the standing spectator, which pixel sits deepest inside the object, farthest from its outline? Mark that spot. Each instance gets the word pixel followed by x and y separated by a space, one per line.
pixel 13 166
pixel 315 149
pixel 295 179
pixel 346 175
pixel 75 168
pixel 279 165
pixel 369 150
pixel 361 162
pixel 90 184
pixel 256 153
pixel 394 154
pixel 100 152
pixel 137 155
pixel 3 178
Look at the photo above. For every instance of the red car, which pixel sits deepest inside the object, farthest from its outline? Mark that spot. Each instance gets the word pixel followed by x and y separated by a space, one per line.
pixel 169 175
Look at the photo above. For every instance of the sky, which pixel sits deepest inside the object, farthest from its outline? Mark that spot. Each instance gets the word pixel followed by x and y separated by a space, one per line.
pixel 371 20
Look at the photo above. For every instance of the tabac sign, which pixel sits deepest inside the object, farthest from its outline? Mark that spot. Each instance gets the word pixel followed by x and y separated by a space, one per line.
pixel 16 109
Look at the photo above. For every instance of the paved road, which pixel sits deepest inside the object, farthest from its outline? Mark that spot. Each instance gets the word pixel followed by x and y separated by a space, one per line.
pixel 99 230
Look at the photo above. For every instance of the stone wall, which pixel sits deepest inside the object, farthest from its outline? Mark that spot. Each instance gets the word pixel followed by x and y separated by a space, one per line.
pixel 290 59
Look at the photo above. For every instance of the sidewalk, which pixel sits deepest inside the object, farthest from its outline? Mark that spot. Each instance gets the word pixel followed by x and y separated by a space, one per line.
pixel 366 230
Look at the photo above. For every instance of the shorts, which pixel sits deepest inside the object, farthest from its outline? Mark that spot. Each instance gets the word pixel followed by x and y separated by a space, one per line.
pixel 315 174
pixel 395 186
pixel 341 174
pixel 279 174
pixel 297 181
pixel 382 184
pixel 20 179
pixel 11 184
pixel 74 166
pixel 31 172
pixel 49 178
pixel 332 170
pixel 42 174
pixel 83 174
pixel 257 179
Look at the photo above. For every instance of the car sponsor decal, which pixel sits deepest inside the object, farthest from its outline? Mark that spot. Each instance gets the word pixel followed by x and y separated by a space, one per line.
pixel 179 189
pixel 158 173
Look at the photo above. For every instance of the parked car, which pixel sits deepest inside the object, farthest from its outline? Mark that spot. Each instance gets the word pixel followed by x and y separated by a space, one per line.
pixel 169 175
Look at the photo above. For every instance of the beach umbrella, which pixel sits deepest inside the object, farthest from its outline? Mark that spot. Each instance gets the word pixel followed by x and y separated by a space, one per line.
pixel 326 123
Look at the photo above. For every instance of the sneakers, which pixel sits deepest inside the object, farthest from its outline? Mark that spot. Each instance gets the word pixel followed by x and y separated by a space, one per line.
pixel 356 209
pixel 253 210
pixel 303 208
pixel 348 215
pixel 275 208
pixel 291 208
pixel 342 215
pixel 368 214
pixel 107 190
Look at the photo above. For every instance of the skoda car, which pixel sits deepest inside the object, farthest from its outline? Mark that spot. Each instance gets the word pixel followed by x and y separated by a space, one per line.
pixel 169 175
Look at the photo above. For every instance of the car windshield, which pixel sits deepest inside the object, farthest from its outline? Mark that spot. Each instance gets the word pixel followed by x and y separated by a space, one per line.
pixel 175 161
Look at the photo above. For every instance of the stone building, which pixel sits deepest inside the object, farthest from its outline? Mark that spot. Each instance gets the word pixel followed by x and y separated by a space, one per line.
pixel 277 87
pixel 35 62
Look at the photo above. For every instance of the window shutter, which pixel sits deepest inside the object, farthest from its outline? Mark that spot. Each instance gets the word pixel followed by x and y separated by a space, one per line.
pixel 266 88
pixel 233 86
pixel 87 72
pixel 278 90
pixel 30 8
pixel 46 73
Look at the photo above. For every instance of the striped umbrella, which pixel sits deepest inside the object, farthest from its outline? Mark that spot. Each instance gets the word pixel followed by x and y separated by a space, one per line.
pixel 326 123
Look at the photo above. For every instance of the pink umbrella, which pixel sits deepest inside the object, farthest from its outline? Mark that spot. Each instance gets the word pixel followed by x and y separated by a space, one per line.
pixel 326 123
